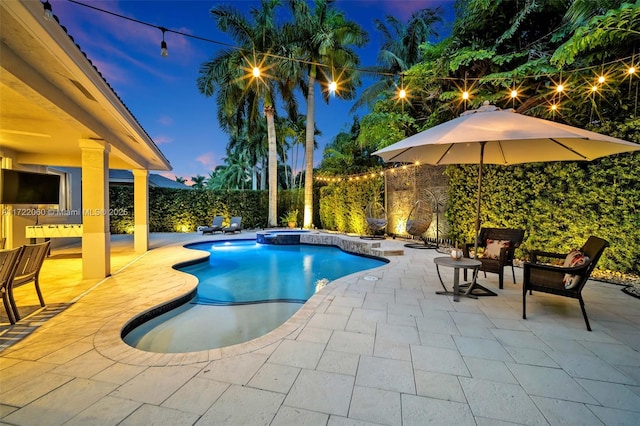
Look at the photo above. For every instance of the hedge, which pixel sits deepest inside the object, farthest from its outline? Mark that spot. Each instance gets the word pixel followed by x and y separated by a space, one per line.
pixel 183 210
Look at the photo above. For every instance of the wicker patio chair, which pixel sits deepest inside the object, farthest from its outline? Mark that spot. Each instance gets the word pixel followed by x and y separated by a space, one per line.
pixel 567 281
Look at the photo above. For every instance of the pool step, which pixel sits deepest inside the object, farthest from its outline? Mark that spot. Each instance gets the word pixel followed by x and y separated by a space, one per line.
pixel 381 251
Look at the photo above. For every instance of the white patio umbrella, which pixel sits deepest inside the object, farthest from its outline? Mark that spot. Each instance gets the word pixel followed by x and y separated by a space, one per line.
pixel 490 135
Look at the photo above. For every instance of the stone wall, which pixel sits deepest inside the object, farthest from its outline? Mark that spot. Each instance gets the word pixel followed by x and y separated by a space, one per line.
pixel 404 187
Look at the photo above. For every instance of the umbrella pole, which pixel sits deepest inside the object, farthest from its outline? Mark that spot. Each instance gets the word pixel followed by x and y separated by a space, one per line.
pixel 475 247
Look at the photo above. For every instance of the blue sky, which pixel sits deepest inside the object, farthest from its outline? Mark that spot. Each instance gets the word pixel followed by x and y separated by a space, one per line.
pixel 161 92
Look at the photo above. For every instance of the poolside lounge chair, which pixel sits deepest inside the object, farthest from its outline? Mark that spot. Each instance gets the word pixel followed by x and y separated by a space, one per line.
pixel 566 280
pixel 216 226
pixel 27 270
pixel 235 226
pixel 8 261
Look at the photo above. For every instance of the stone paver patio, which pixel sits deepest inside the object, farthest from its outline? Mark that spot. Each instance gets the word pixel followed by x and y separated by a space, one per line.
pixel 376 347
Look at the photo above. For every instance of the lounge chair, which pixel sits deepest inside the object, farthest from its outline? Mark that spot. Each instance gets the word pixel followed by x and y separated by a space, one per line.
pixel 235 226
pixel 27 270
pixel 216 226
pixel 567 280
pixel 8 261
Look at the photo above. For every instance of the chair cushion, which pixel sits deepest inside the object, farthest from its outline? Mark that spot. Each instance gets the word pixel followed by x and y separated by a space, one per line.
pixel 493 247
pixel 574 258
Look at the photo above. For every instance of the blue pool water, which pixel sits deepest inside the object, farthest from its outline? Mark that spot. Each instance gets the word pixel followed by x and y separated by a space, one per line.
pixel 245 290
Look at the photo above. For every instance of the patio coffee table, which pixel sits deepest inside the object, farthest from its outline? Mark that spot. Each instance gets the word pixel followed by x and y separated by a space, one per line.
pixel 464 263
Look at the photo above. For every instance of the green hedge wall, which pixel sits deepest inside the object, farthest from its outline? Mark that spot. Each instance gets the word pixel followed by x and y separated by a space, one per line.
pixel 183 210
pixel 342 206
pixel 559 205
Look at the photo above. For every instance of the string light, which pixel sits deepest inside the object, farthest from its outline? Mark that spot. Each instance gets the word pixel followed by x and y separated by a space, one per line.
pixel 402 93
pixel 163 45
pixel 333 87
pixel 48 11
pixel 367 176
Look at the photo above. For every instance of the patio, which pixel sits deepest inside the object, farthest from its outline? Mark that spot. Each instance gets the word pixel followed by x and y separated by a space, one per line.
pixel 376 347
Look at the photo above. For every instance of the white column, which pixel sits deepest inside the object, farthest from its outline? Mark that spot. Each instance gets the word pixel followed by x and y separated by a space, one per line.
pixel 6 218
pixel 96 256
pixel 141 210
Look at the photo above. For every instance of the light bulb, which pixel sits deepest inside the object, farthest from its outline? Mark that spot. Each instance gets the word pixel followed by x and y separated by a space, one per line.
pixel 560 88
pixel 632 70
pixel 48 12
pixel 163 49
pixel 402 94
pixel 554 107
pixel 333 86
pixel 256 72
pixel 601 79
pixel 514 93
pixel 465 95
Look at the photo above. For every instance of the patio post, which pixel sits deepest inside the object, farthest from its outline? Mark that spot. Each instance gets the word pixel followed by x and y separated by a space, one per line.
pixel 96 256
pixel 141 210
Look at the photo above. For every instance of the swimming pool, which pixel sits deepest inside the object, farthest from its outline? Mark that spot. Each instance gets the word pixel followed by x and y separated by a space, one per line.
pixel 245 290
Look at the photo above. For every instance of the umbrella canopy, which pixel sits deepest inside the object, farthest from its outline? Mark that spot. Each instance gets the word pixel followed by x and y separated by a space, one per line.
pixel 509 138
pixel 490 135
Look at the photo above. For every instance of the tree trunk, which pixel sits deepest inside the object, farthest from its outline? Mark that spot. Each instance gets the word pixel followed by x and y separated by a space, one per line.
pixel 273 167
pixel 254 177
pixel 309 139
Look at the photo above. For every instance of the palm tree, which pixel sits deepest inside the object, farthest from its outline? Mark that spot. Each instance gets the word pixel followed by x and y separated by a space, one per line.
pixel 400 50
pixel 322 38
pixel 180 179
pixel 198 181
pixel 239 93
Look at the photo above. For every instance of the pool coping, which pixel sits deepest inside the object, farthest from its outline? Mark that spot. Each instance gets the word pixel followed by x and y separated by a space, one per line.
pixel 108 339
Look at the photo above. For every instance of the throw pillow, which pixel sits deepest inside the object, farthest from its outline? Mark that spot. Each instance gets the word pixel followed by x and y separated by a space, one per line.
pixel 492 250
pixel 573 259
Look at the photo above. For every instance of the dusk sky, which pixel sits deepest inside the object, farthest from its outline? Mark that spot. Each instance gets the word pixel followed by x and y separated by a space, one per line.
pixel 161 92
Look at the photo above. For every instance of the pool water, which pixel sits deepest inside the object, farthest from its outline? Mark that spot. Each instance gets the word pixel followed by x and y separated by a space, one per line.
pixel 245 290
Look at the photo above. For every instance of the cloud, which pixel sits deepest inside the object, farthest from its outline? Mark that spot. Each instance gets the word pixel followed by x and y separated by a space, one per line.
pixel 159 140
pixel 207 159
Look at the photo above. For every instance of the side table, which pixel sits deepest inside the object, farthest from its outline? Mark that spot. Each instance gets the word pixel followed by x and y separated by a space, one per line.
pixel 464 263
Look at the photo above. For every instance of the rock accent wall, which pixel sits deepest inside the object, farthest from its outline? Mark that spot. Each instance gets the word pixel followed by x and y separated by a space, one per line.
pixel 347 244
